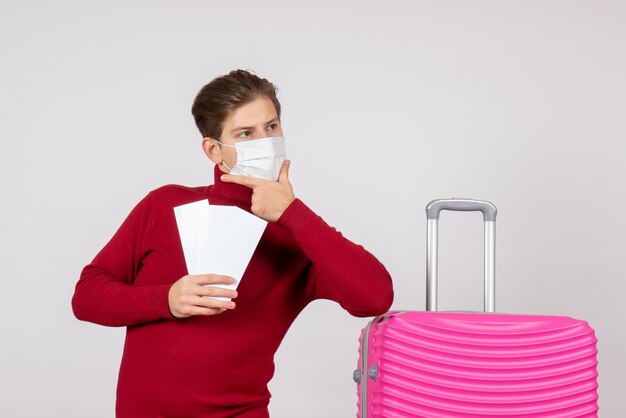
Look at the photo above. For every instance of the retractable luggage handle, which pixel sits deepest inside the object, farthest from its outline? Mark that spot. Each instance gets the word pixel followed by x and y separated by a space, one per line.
pixel 489 216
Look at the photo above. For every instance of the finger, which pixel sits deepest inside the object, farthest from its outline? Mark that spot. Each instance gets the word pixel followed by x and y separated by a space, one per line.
pixel 198 310
pixel 243 180
pixel 202 279
pixel 216 291
pixel 283 176
pixel 208 302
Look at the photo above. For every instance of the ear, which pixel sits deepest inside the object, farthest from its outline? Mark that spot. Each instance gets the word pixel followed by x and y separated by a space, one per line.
pixel 212 150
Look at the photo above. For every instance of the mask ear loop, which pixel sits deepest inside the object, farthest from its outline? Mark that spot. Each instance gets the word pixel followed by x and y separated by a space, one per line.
pixel 226 165
pixel 226 145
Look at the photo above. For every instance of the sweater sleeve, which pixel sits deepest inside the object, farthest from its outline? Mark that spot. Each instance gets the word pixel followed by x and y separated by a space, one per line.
pixel 340 270
pixel 105 293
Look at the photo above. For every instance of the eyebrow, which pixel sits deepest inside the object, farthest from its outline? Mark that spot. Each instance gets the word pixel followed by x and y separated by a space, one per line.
pixel 245 128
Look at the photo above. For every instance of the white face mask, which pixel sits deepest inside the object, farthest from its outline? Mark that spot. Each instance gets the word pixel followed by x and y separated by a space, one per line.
pixel 260 158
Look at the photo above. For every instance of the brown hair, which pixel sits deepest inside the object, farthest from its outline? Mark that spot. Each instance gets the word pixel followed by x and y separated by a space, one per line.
pixel 226 93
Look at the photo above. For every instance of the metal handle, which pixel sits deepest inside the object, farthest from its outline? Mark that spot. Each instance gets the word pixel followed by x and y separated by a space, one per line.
pixel 489 215
pixel 436 206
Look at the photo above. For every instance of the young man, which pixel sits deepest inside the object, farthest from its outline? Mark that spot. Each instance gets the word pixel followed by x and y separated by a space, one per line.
pixel 188 354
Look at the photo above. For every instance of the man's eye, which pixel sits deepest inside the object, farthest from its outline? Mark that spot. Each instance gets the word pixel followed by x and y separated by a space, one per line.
pixel 271 127
pixel 245 134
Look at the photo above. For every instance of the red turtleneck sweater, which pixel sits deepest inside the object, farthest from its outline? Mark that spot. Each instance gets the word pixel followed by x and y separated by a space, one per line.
pixel 216 366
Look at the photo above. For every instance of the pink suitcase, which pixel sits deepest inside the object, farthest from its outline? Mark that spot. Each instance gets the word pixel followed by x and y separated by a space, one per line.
pixel 451 364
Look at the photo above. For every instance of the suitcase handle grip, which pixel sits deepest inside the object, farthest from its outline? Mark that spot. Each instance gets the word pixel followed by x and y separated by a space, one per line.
pixel 436 206
pixel 489 211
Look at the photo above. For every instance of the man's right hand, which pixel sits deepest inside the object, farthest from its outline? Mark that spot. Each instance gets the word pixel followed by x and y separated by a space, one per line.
pixel 186 295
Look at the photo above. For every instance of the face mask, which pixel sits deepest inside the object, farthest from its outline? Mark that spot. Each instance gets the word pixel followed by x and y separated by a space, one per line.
pixel 260 158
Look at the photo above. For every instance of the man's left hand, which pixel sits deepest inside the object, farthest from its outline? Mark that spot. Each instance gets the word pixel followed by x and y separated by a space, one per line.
pixel 269 198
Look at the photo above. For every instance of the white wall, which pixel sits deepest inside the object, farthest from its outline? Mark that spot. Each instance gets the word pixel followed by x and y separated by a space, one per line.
pixel 387 105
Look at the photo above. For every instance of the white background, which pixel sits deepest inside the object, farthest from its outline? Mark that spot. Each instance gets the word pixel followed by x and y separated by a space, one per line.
pixel 387 105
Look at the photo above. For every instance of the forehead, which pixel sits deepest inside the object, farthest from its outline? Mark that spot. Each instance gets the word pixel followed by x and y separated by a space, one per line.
pixel 257 112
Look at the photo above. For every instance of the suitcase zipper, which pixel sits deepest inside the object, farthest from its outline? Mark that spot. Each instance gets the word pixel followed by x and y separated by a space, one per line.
pixel 365 372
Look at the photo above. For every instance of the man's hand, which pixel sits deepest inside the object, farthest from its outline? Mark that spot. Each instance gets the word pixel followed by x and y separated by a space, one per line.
pixel 186 295
pixel 269 198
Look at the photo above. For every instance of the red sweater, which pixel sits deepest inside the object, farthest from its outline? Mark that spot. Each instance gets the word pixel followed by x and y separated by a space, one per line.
pixel 217 366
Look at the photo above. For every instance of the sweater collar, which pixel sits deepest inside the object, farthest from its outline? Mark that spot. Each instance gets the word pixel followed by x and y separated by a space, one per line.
pixel 229 193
